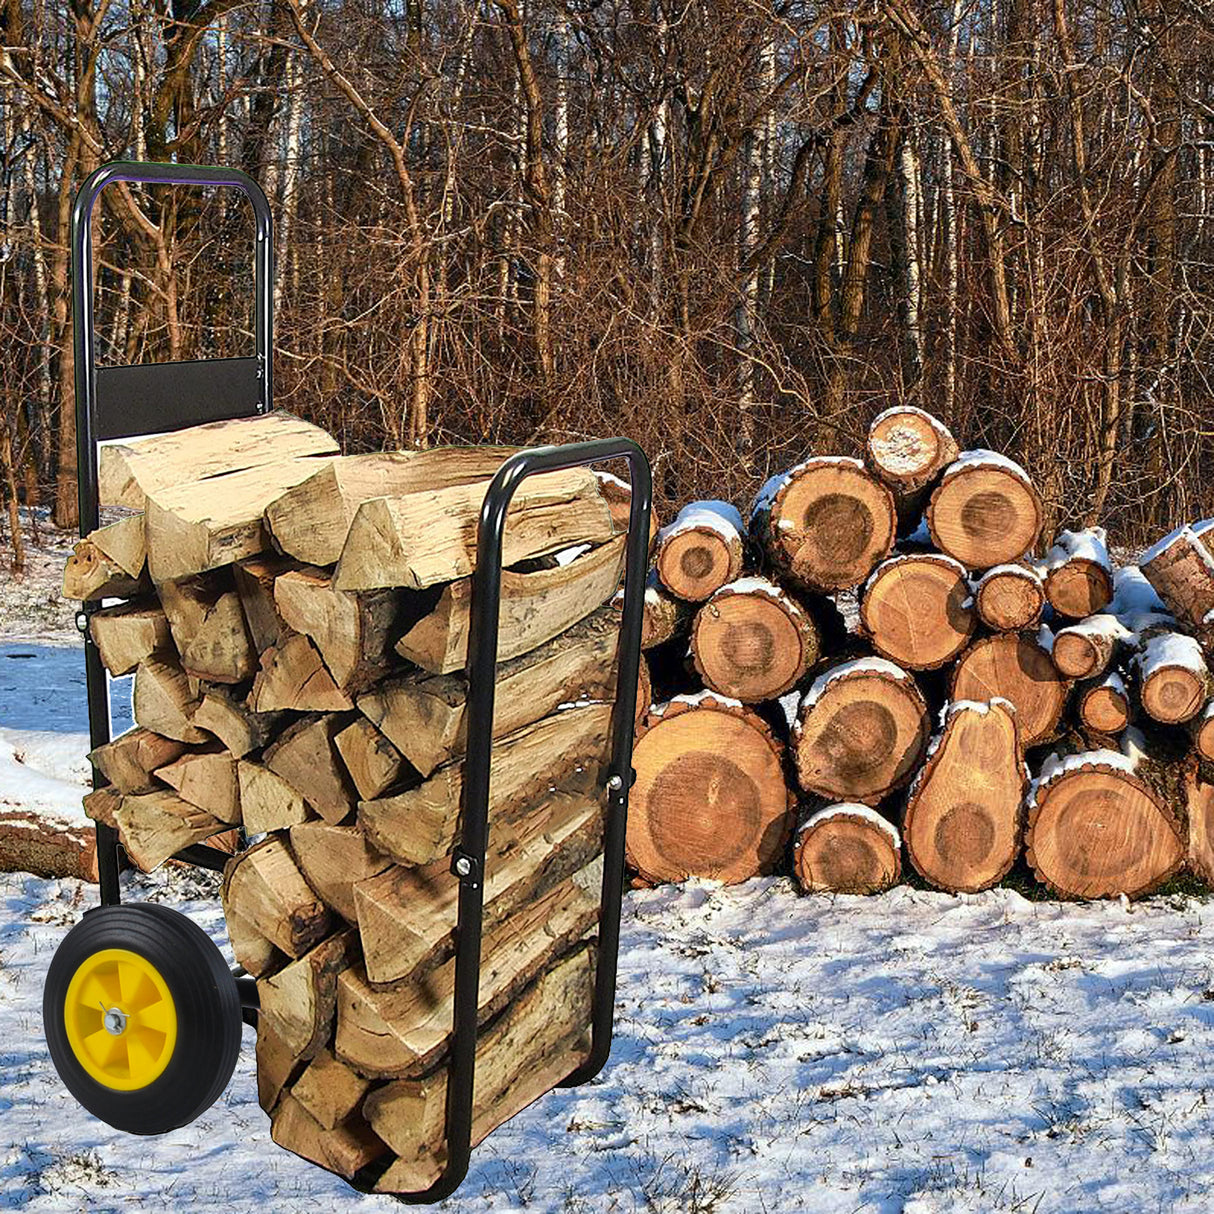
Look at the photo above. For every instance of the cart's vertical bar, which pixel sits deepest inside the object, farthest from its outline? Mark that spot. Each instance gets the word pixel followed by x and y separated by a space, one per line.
pixel 468 860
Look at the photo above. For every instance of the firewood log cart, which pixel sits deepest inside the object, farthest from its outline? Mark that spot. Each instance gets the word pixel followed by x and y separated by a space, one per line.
pixel 143 1014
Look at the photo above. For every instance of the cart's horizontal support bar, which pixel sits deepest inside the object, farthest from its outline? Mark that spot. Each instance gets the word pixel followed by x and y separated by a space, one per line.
pixel 201 856
pixel 151 398
pixel 247 986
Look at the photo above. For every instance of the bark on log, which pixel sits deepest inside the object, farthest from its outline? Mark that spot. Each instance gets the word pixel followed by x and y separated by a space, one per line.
pixel 264 888
pixel 424 715
pixel 1181 570
pixel 1085 650
pixel 963 822
pixel 1199 806
pixel 752 641
pixel 129 634
pixel 535 607
pixel 1079 574
pixel 311 520
pixel 700 551
pixel 1201 729
pixel 1010 598
pixel 1097 830
pixel 985 511
pixel 566 749
pixel 1019 668
pixel 918 611
pixel 861 731
pixel 710 798
pixel 847 849
pixel 424 538
pixel 826 524
pixel 1104 704
pixel 907 449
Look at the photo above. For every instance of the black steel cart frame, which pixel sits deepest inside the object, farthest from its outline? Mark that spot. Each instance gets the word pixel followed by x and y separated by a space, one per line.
pixel 122 402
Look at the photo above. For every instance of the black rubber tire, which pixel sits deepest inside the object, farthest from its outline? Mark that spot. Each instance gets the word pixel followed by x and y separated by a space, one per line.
pixel 209 1023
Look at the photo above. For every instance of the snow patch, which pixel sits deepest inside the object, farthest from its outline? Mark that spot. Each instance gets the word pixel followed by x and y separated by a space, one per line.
pixel 699 699
pixel 980 457
pixel 1021 571
pixel 716 516
pixel 1170 649
pixel 1090 545
pixel 1056 766
pixel 857 666
pixel 849 809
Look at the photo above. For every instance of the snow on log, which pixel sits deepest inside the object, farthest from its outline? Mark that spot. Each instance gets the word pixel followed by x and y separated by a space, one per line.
pixel 1097 830
pixel 1084 650
pixel 1103 704
pixel 617 494
pixel 710 798
pixel 700 551
pixel 1010 598
pixel 1017 667
pixel 1181 569
pixel 860 732
pixel 918 611
pixel 907 449
pixel 825 524
pixel 847 849
pixel 1173 678
pixel 1079 573
pixel 963 824
pixel 753 641
pixel 985 511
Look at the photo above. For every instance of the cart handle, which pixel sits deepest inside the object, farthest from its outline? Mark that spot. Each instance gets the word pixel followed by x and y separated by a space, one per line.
pixel 468 861
pixel 154 389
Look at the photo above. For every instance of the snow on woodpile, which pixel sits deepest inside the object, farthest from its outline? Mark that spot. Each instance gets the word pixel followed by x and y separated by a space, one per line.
pixel 1099 626
pixel 880 666
pixel 1056 766
pixel 1028 572
pixel 698 699
pixel 1170 649
pixel 721 517
pixel 1089 545
pixel 1192 534
pixel 900 449
pixel 1133 594
pixel 980 457
pixel 849 809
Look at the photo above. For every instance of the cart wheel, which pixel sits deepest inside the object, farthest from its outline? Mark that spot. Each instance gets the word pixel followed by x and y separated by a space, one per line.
pixel 142 1017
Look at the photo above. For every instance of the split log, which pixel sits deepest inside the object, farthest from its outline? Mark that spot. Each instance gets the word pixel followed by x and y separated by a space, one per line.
pixel 566 749
pixel 100 805
pixel 267 801
pixel 373 762
pixel 1173 679
pixel 407 916
pixel 1085 650
pixel 333 859
pixel 123 544
pixel 157 825
pixel 346 1149
pixel 253 952
pixel 264 888
pixel 306 757
pixel 1010 598
pixel 293 678
pixel 276 1069
pixel 130 759
pixel 826 524
pixel 300 1000
pixel 847 849
pixel 255 579
pixel 329 1090
pixel 535 607
pixel 918 611
pixel 1201 729
pixel 963 823
pixel 617 494
pixel 208 627
pixel 1097 830
pixel 164 701
pixel 234 724
pixel 1104 705
pixel 1016 667
pixel 424 716
pixel 90 575
pixel 1181 569
pixel 710 798
pixel 538 1041
pixel 129 634
pixel 312 520
pixel 354 632
pixel 423 538
pixel 861 731
pixel 985 511
pixel 405 1030
pixel 907 449
pixel 1079 573
pixel 206 779
pixel 129 471
pixel 753 641
pixel 664 617
pixel 700 551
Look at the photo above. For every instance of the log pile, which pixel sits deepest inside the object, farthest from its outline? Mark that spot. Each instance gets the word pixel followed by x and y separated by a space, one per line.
pixel 1002 697
pixel 297 624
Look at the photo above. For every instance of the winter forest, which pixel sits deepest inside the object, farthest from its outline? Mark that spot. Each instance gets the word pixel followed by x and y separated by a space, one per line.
pixel 733 231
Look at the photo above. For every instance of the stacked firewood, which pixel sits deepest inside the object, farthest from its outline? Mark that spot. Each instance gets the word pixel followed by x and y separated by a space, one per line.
pixel 994 699
pixel 297 623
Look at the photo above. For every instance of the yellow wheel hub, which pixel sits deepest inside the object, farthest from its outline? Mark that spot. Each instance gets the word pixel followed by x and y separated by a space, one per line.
pixel 121 1020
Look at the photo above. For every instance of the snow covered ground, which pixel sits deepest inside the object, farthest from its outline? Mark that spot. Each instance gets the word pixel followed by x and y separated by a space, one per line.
pixel 913 1053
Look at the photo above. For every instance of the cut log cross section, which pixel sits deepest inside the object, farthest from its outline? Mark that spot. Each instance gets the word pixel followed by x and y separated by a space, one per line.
pixel 918 612
pixel 907 449
pixel 700 551
pixel 847 849
pixel 1010 598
